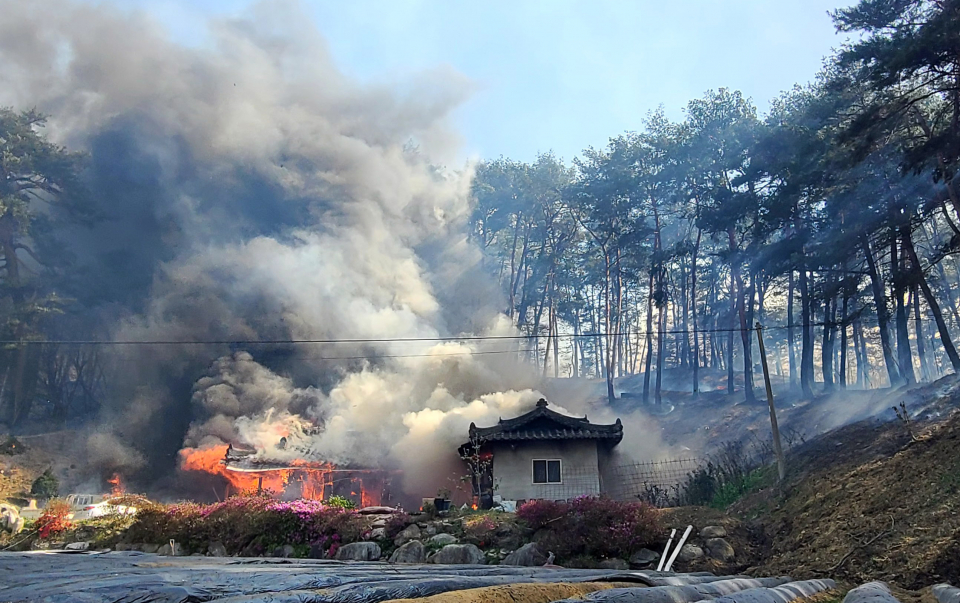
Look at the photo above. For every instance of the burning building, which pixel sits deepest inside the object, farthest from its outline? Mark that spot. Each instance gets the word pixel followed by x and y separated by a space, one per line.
pixel 251 471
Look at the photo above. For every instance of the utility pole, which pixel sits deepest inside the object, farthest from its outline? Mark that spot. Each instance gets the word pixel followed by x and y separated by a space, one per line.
pixel 781 463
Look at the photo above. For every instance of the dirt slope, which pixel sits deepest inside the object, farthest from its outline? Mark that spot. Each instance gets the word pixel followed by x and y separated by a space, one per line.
pixel 870 501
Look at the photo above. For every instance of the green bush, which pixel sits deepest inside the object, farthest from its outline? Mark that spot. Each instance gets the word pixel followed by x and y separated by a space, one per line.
pixel 45 486
pixel 340 502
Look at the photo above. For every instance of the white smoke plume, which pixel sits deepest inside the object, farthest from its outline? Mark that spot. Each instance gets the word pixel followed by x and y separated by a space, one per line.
pixel 253 192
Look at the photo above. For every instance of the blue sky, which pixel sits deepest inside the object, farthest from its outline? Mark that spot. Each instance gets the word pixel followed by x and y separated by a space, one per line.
pixel 561 75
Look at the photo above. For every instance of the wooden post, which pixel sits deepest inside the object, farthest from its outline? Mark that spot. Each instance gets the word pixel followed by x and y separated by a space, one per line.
pixel 781 463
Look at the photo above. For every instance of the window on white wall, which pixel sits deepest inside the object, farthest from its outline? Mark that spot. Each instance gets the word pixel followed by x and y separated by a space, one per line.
pixel 546 471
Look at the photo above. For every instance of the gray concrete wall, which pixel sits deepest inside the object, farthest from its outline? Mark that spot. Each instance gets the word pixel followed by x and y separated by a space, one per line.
pixel 513 469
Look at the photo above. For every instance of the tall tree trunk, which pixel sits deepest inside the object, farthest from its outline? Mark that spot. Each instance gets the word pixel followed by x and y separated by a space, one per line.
pixel 904 355
pixel 693 316
pixel 843 338
pixel 945 338
pixel 866 359
pixel 791 354
pixel 611 396
pixel 734 296
pixel 806 343
pixel 661 324
pixel 746 320
pixel 883 315
pixel 649 341
pixel 925 372
pixel 826 345
pixel 856 353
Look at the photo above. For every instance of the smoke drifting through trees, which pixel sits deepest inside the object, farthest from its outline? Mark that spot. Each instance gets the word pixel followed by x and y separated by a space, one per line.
pixel 249 191
pixel 842 201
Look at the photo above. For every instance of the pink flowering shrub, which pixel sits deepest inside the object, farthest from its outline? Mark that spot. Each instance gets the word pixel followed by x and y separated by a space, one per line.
pixel 538 513
pixel 253 525
pixel 594 527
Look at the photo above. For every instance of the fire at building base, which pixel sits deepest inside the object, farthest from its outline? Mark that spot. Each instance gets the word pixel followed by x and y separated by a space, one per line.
pixel 244 473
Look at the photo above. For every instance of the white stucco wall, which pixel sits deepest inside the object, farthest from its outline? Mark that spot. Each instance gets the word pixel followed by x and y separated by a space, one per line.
pixel 513 469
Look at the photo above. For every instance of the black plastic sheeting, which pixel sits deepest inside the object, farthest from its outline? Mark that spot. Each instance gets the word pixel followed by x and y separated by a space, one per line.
pixel 946 593
pixel 871 592
pixel 130 577
pixel 678 594
pixel 737 590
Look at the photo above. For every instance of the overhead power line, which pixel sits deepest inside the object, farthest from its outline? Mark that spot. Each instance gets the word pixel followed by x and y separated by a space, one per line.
pixel 451 339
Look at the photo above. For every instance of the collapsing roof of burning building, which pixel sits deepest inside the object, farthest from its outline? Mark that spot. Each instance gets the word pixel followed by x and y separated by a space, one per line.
pixel 303 476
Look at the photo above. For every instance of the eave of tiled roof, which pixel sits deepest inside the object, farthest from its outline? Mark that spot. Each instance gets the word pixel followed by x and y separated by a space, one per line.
pixel 568 428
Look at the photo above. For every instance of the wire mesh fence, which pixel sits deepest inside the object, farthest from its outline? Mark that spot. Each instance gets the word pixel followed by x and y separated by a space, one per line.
pixel 655 482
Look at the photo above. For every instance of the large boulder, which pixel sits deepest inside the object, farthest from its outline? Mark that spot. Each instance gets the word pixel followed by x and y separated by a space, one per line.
pixel 643 559
pixel 359 551
pixel 78 546
pixel 411 532
pixel 713 532
pixel 10 520
pixel 719 549
pixel 149 547
pixel 690 552
pixel 443 539
pixel 528 555
pixel 459 554
pixel 411 552
pixel 216 549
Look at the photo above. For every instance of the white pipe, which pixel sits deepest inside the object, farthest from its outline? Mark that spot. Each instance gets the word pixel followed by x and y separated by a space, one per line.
pixel 666 549
pixel 676 551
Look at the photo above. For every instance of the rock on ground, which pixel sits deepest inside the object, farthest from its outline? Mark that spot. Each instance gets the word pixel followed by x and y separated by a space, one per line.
pixel 443 539
pixel 690 552
pixel 411 532
pixel 216 549
pixel 150 548
pixel 77 546
pixel 286 551
pixel 459 554
pixel 528 555
pixel 713 532
pixel 614 564
pixel 720 549
pixel 377 511
pixel 411 552
pixel 167 551
pixel 643 558
pixel 359 551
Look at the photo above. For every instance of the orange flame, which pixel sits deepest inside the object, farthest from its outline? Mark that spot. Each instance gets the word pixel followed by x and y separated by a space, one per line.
pixel 116 485
pixel 310 480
